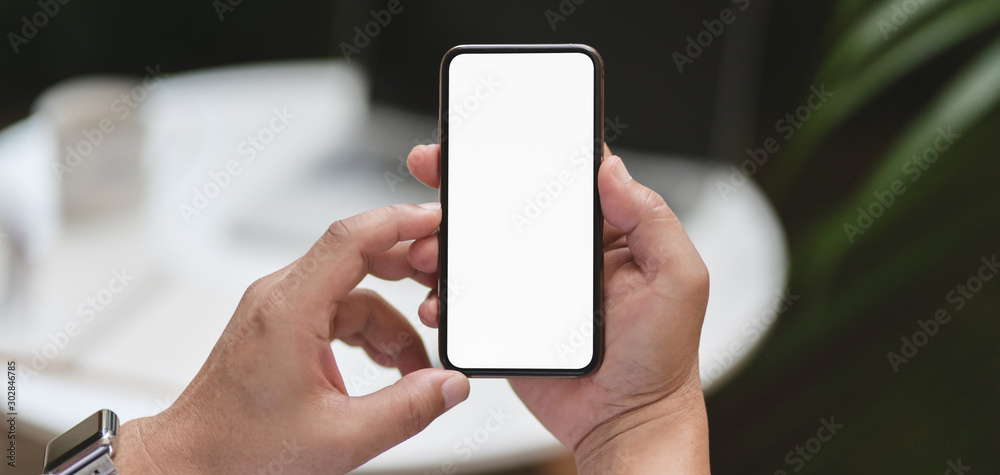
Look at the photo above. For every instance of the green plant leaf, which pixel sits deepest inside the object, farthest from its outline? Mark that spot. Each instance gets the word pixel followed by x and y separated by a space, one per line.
pixel 852 92
pixel 963 103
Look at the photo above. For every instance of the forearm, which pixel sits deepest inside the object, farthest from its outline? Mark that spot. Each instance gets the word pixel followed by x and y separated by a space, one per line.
pixel 668 437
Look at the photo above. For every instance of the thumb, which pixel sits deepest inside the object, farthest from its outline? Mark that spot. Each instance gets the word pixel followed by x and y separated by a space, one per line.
pixel 653 233
pixel 398 412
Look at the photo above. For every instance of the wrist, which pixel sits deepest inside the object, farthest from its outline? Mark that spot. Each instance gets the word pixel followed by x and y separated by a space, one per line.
pixel 667 436
pixel 150 446
pixel 130 453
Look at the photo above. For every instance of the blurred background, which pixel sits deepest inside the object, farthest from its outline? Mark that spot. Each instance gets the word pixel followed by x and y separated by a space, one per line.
pixel 834 162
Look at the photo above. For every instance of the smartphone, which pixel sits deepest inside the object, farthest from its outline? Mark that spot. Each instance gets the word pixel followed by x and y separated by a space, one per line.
pixel 521 238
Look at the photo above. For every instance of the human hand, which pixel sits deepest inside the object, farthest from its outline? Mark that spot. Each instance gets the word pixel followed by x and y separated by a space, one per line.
pixel 270 395
pixel 646 397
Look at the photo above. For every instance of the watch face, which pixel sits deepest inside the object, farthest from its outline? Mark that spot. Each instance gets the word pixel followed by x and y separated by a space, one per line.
pixel 83 437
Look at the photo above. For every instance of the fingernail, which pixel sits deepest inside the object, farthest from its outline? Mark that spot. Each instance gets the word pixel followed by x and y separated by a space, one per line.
pixel 618 169
pixel 454 391
pixel 432 205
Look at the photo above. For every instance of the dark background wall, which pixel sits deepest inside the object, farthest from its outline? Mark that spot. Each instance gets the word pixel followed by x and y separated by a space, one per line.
pixel 665 109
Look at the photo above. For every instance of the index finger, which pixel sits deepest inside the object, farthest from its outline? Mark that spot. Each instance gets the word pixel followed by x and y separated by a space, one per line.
pixel 424 163
pixel 345 253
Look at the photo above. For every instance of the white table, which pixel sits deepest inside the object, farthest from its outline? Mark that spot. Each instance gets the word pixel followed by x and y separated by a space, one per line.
pixel 137 354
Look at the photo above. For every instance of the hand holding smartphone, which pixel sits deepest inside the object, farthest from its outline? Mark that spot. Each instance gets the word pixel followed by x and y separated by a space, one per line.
pixel 508 299
pixel 521 250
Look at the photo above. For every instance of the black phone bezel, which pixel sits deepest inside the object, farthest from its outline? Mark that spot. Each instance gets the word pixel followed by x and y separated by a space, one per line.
pixel 598 312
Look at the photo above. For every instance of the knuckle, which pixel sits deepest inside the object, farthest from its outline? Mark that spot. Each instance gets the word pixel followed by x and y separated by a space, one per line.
pixel 272 300
pixel 253 325
pixel 391 213
pixel 255 288
pixel 262 300
pixel 695 278
pixel 340 231
pixel 256 292
pixel 419 409
pixel 656 205
pixel 700 276
pixel 349 231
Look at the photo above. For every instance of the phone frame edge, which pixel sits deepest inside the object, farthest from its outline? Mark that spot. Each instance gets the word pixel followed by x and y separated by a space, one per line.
pixel 598 305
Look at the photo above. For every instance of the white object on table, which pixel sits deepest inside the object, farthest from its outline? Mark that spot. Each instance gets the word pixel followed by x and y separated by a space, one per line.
pixel 140 351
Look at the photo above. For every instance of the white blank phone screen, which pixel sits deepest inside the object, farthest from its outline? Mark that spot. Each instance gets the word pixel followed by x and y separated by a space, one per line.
pixel 520 263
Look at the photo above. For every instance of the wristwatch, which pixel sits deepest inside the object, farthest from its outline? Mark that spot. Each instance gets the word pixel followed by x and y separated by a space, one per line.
pixel 85 449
